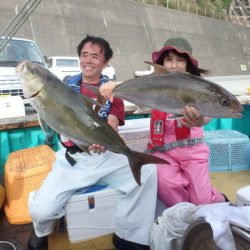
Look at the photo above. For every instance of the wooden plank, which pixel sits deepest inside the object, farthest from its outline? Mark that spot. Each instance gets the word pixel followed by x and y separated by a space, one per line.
pixel 30 120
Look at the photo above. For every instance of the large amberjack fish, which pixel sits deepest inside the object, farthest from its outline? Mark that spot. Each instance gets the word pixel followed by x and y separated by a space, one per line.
pixel 170 92
pixel 71 114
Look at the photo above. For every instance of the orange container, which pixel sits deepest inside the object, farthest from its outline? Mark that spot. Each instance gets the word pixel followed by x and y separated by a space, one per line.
pixel 2 196
pixel 25 171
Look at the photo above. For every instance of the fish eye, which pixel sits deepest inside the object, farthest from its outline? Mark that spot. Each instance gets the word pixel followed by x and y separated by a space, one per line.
pixel 224 102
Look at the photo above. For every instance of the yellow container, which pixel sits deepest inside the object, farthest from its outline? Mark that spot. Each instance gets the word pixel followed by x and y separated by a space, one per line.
pixel 25 171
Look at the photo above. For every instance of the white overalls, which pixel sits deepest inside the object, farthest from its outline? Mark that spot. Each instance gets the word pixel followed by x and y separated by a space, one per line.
pixel 135 204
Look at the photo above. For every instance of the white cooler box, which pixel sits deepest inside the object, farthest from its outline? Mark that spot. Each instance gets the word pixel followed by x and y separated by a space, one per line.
pixel 243 196
pixel 90 213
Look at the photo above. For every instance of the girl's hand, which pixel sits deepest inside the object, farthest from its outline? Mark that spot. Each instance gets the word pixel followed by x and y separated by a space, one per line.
pixel 193 118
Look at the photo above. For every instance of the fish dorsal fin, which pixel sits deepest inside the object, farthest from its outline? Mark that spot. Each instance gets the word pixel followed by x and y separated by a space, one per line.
pixel 159 69
pixel 90 102
pixel 95 89
pixel 45 127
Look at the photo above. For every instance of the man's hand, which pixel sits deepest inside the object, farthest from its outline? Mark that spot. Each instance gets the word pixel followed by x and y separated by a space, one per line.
pixel 114 122
pixel 193 118
pixel 107 89
pixel 96 148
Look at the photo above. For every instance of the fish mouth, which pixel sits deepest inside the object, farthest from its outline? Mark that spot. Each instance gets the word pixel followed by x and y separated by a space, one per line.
pixel 238 115
pixel 20 67
pixel 237 109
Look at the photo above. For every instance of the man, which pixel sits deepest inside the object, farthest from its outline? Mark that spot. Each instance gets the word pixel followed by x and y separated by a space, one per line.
pixel 74 169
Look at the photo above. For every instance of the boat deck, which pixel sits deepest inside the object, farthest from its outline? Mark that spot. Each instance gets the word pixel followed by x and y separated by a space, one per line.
pixel 225 182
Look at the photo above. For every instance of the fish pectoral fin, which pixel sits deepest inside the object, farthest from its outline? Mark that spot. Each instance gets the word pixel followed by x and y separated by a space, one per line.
pixel 141 109
pixel 47 130
pixel 159 69
pixel 175 117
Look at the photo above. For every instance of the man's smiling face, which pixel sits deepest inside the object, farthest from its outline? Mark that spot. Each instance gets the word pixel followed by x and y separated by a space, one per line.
pixel 92 61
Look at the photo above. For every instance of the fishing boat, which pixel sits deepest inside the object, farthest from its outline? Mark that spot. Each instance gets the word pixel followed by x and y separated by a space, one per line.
pixel 24 132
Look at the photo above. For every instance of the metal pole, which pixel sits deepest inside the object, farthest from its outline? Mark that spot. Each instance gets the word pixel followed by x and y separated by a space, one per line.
pixel 31 25
pixel 17 22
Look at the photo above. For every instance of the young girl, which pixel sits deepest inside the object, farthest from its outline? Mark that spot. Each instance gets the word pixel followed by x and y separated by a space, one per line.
pixel 181 141
pixel 187 176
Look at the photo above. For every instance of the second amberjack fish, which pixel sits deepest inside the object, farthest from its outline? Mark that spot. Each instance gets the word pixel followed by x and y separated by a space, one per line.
pixel 170 92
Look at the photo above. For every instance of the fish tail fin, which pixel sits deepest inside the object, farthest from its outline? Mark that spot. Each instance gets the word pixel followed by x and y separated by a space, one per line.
pixel 137 160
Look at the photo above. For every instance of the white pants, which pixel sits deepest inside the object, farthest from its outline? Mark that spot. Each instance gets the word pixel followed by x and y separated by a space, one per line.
pixel 135 204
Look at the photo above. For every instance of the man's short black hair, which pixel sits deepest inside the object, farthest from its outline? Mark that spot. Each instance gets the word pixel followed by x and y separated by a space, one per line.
pixel 104 44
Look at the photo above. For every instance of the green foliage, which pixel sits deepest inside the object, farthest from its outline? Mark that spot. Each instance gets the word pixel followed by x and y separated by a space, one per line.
pixel 210 8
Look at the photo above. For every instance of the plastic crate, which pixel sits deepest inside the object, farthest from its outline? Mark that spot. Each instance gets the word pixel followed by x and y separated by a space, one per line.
pixel 229 150
pixel 12 140
pixel 25 171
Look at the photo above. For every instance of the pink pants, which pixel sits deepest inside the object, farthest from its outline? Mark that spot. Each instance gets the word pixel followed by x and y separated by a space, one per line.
pixel 186 179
